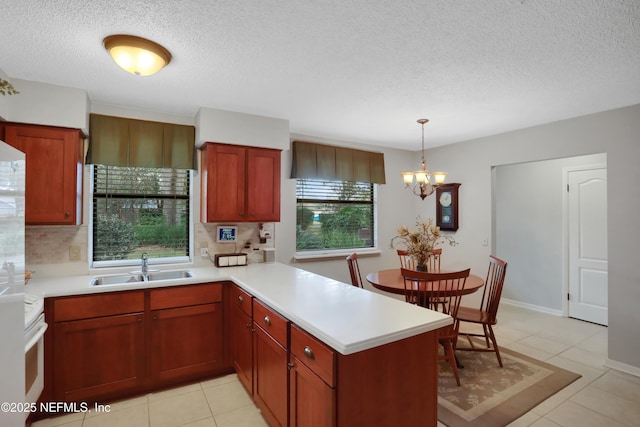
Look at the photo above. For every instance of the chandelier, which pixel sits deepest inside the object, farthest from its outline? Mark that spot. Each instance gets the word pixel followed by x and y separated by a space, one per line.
pixel 420 181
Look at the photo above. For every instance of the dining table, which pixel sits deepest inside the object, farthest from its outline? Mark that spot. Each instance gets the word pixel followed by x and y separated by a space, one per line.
pixel 392 281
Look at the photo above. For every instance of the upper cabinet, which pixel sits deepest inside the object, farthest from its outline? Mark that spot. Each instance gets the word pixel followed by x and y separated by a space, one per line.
pixel 240 184
pixel 54 159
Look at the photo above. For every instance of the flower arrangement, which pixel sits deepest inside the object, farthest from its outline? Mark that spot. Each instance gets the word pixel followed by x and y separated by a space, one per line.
pixel 421 242
pixel 6 88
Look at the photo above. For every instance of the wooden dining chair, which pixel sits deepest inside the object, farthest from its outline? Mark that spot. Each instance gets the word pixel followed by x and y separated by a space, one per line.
pixel 407 261
pixel 434 260
pixel 486 314
pixel 354 270
pixel 423 288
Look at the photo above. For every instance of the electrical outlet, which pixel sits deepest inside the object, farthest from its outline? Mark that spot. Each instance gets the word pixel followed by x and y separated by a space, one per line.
pixel 204 252
pixel 485 242
pixel 74 253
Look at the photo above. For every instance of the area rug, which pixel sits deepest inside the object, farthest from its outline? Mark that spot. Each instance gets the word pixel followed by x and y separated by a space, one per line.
pixel 492 396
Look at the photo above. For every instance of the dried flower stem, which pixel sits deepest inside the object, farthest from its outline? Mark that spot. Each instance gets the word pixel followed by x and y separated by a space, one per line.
pixel 421 242
pixel 7 88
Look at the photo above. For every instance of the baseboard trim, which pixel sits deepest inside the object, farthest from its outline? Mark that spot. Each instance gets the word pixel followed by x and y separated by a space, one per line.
pixel 622 367
pixel 539 308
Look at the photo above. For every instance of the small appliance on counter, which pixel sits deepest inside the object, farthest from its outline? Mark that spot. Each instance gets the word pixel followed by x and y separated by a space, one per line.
pixel 230 260
pixel 269 255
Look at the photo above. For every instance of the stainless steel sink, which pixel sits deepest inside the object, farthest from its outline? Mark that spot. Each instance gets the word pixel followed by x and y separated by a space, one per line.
pixel 169 275
pixel 117 279
pixel 137 277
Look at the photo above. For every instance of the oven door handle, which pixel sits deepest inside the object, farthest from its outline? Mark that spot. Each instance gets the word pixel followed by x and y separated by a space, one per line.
pixel 41 330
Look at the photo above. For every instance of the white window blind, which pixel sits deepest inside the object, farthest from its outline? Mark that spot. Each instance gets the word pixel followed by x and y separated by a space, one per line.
pixel 140 210
pixel 334 215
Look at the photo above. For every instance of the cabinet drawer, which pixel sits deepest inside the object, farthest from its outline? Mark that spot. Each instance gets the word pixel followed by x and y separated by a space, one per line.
pixel 314 353
pixel 182 296
pixel 88 306
pixel 271 322
pixel 241 299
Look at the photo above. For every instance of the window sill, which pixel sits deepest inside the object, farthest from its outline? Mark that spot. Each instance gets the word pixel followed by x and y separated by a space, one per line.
pixel 342 253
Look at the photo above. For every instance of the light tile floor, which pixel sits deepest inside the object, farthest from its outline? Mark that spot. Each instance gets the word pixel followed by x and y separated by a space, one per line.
pixel 600 397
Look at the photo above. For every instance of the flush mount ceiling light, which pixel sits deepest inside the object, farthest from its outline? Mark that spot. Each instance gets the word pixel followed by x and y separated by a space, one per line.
pixel 136 55
pixel 419 181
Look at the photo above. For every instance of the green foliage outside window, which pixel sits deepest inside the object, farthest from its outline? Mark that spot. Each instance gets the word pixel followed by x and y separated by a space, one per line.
pixel 334 215
pixel 115 236
pixel 140 210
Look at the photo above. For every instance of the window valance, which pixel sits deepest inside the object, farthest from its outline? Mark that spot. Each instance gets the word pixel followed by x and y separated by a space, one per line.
pixel 319 161
pixel 118 141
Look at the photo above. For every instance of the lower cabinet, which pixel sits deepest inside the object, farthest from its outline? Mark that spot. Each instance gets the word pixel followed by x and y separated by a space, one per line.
pixel 187 331
pixel 299 381
pixel 110 345
pixel 98 345
pixel 312 401
pixel 85 348
pixel 270 358
pixel 241 336
pixel 312 395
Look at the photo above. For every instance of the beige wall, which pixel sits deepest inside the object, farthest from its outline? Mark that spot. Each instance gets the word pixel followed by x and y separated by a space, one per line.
pixel 615 133
pixel 612 132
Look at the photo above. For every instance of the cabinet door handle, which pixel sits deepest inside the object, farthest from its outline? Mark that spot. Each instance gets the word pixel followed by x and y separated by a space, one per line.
pixel 309 353
pixel 240 299
pixel 155 317
pixel 267 321
pixel 290 365
pixel 241 214
pixel 248 326
pixel 67 214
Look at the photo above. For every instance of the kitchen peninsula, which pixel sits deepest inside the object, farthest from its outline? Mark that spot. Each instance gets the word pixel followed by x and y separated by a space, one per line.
pixel 375 358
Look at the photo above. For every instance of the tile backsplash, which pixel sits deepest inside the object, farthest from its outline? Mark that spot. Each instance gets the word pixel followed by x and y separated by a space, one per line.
pixel 66 247
pixel 49 244
pixel 205 237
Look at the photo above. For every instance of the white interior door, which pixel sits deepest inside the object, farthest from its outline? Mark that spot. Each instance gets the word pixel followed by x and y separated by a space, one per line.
pixel 588 277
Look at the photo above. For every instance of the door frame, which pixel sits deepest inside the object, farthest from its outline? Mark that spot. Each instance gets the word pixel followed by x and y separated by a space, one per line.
pixel 565 228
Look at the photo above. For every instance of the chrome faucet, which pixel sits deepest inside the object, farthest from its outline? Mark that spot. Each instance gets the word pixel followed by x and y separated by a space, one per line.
pixel 145 264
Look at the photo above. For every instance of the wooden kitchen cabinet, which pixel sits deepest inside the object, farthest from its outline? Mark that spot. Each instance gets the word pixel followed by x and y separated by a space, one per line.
pixel 312 394
pixel 54 159
pixel 187 332
pixel 322 387
pixel 240 183
pixel 270 358
pixel 115 344
pixel 241 336
pixel 98 346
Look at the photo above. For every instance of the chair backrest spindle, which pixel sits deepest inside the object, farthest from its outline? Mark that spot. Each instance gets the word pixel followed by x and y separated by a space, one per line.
pixel 408 262
pixel 493 287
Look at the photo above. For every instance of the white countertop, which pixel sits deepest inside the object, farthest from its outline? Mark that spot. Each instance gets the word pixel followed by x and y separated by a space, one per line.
pixel 346 318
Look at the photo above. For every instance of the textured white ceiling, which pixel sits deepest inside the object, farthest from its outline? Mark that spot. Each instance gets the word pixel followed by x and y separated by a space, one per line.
pixel 358 70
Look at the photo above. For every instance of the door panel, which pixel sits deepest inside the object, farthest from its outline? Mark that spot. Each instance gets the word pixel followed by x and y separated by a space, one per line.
pixel 588 264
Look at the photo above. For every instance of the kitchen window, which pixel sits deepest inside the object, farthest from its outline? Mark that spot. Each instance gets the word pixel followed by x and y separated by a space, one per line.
pixel 140 210
pixel 334 215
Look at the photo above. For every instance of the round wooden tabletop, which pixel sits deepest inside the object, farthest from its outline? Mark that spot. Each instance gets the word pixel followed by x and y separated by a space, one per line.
pixel 392 281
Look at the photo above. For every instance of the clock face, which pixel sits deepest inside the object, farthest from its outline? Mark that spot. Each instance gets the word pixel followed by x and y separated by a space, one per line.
pixel 445 199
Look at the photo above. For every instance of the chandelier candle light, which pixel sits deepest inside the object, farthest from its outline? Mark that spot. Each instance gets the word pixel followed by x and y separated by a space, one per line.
pixel 420 181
